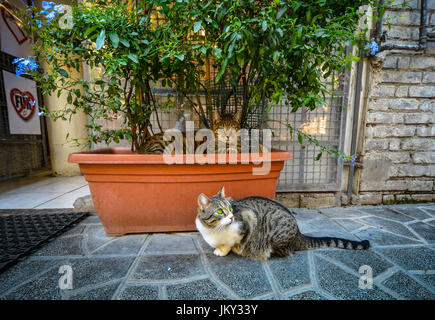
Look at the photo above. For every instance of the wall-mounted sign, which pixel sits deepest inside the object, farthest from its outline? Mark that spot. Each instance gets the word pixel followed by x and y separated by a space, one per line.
pixel 14 40
pixel 22 101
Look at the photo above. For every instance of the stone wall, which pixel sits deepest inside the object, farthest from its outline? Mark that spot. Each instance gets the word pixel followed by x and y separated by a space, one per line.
pixel 398 147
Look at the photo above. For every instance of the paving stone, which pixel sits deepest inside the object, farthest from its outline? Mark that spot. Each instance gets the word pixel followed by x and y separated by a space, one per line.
pixel 165 267
pixel 407 287
pixel 22 271
pixel 74 231
pixel 61 247
pixel 388 214
pixel 126 245
pixel 195 290
pixel 429 279
pixel 424 230
pixel 412 258
pixel 412 211
pixel 101 293
pixel 291 271
pixel 45 287
pixel 350 224
pixel 307 295
pixel 140 292
pixel 389 225
pixel 244 276
pixel 96 236
pixel 325 228
pixel 341 213
pixel 91 220
pixel 170 243
pixel 343 285
pixel 381 238
pixel 354 259
pixel 95 271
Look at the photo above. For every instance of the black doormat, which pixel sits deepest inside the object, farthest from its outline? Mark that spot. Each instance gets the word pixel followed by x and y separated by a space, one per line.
pixel 22 231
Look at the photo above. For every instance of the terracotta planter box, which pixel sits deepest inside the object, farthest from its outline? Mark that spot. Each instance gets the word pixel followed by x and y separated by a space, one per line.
pixel 141 193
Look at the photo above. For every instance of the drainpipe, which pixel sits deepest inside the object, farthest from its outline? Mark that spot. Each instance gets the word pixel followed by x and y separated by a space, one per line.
pixel 422 41
pixel 355 122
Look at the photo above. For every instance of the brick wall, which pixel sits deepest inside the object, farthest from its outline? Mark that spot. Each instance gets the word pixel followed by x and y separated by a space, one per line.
pixel 398 147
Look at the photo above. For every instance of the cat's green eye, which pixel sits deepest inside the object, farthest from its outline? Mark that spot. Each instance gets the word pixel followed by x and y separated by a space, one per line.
pixel 219 211
pixel 229 208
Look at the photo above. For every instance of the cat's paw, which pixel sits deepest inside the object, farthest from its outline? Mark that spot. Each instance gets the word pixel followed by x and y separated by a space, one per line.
pixel 221 253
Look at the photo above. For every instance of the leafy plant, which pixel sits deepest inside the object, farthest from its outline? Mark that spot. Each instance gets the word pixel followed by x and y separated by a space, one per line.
pixel 280 50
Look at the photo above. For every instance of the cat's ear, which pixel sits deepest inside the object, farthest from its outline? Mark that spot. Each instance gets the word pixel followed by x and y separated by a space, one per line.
pixel 238 115
pixel 203 201
pixel 216 116
pixel 221 192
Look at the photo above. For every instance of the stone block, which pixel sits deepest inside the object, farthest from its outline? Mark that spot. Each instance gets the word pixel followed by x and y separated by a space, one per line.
pixel 426 131
pixel 417 144
pixel 370 198
pixel 429 77
pixel 401 76
pixel 384 91
pixel 319 200
pixel 288 199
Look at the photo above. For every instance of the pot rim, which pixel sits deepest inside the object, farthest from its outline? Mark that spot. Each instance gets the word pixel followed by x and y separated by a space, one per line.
pixel 122 155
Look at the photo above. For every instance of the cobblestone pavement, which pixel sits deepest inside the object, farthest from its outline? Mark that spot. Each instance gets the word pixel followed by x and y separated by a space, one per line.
pixel 182 266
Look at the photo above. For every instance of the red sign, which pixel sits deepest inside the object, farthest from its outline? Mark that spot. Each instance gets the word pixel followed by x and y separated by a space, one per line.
pixel 12 25
pixel 23 102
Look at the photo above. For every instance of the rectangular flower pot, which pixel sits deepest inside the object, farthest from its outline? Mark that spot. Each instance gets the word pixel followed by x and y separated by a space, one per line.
pixel 136 193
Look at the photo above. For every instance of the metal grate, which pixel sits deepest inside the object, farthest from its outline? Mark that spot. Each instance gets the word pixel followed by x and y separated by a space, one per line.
pixel 303 172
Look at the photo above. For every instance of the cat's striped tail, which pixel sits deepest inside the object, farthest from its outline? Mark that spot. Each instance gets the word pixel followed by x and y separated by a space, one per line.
pixel 308 242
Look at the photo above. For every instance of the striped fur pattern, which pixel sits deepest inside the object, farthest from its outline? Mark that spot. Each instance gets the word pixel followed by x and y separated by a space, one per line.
pixel 257 228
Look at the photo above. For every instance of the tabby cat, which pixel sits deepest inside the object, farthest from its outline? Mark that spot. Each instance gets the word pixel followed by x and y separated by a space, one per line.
pixel 225 130
pixel 257 228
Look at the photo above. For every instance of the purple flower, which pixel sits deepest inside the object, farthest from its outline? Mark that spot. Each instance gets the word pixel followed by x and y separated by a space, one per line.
pixel 24 65
pixel 373 46
pixel 353 159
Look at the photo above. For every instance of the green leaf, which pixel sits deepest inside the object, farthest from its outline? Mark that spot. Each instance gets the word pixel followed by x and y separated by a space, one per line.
pixel 300 140
pixel 217 52
pixel 264 25
pixel 100 39
pixel 133 57
pixel 114 38
pixel 281 12
pixel 318 156
pixel 89 31
pixel 63 73
pixel 179 56
pixel 125 43
pixel 197 26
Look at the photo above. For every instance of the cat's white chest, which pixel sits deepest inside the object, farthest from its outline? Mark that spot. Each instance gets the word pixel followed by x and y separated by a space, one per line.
pixel 226 237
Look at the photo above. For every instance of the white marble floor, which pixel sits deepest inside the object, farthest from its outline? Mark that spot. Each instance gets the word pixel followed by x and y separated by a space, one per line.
pixel 42 192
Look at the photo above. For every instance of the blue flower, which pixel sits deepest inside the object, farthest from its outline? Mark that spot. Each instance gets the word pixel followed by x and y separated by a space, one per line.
pixel 39 23
pixel 46 5
pixel 51 9
pixel 373 46
pixel 24 65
